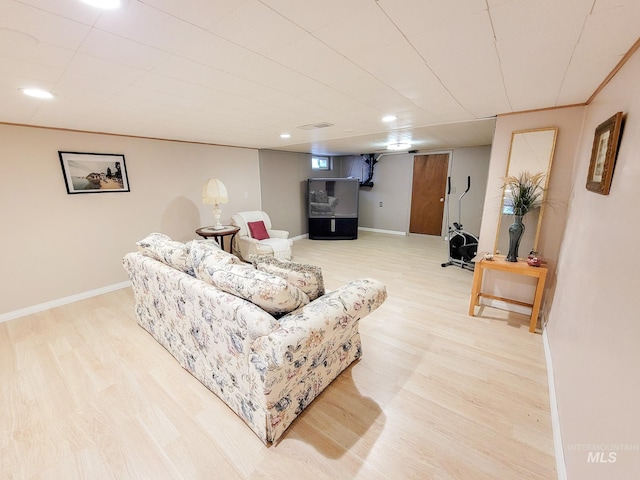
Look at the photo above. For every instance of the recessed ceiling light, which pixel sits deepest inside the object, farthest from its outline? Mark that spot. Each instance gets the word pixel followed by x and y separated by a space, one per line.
pixel 399 146
pixel 285 135
pixel 37 93
pixel 389 118
pixel 105 4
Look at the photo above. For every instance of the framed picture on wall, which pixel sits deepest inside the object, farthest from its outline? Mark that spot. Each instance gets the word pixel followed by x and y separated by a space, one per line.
pixel 94 172
pixel 603 154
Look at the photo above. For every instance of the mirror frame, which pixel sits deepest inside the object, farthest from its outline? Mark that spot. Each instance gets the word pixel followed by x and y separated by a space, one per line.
pixel 552 148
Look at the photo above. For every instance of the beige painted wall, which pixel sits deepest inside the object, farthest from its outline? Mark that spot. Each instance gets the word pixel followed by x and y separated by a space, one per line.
pixel 55 245
pixel 474 162
pixel 594 326
pixel 569 123
pixel 393 178
pixel 392 186
pixel 284 188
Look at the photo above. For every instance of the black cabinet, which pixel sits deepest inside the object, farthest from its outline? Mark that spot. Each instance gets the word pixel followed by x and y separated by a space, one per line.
pixel 333 228
pixel 333 208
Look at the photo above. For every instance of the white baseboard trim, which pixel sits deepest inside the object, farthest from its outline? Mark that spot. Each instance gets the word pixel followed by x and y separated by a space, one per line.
pixel 62 301
pixel 378 230
pixel 553 406
pixel 300 237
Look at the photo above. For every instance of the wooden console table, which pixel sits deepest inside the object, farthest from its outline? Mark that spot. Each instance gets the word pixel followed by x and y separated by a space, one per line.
pixel 518 268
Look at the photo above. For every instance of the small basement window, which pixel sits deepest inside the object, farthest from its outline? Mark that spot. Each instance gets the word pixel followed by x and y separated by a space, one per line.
pixel 320 163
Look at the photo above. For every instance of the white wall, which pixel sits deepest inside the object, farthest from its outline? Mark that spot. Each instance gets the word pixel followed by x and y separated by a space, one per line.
pixel 55 245
pixel 594 322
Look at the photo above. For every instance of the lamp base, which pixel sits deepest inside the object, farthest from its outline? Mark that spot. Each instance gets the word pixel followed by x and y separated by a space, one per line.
pixel 216 215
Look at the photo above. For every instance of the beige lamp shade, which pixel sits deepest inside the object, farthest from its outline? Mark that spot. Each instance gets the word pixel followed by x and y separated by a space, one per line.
pixel 214 192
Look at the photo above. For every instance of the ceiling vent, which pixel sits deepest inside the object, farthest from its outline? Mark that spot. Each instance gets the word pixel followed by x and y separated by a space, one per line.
pixel 314 126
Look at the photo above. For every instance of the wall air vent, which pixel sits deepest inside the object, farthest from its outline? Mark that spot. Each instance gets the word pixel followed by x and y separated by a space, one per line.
pixel 314 126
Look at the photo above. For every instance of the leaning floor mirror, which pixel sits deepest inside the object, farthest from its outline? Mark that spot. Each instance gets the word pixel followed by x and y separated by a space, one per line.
pixel 530 151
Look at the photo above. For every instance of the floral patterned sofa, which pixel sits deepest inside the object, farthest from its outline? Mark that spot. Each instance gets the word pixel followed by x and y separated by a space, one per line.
pixel 264 337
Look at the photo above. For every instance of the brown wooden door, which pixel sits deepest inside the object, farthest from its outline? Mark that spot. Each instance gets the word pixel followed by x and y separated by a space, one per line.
pixel 428 192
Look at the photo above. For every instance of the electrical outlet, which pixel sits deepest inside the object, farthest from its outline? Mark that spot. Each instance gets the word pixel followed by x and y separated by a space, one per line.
pixel 380 203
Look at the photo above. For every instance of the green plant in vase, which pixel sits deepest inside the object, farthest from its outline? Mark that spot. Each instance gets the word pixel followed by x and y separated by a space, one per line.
pixel 522 194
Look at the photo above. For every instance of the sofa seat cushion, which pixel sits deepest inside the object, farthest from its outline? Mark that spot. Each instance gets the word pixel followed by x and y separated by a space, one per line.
pixel 170 252
pixel 307 278
pixel 269 292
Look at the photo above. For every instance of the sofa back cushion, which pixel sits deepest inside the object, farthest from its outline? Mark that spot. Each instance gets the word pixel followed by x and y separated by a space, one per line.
pixel 170 252
pixel 207 257
pixel 307 278
pixel 269 292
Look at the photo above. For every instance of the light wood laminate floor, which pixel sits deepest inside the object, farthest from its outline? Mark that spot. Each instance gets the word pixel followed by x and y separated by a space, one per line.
pixel 87 394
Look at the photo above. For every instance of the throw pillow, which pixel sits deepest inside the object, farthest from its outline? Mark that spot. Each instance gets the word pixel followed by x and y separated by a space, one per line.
pixel 258 230
pixel 207 257
pixel 170 252
pixel 269 292
pixel 307 278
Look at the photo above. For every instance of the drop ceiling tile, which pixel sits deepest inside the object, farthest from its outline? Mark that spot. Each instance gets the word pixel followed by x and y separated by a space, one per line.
pixel 16 107
pixel 596 40
pixel 365 30
pixel 579 84
pixel 25 74
pixel 415 17
pixel 203 13
pixel 41 25
pixel 71 9
pixel 93 74
pixel 116 49
pixel 36 53
pixel 257 28
pixel 455 54
pixel 312 15
pixel 204 76
pixel 148 26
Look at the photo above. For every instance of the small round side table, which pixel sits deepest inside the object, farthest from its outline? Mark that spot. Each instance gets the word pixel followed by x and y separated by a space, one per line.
pixel 219 234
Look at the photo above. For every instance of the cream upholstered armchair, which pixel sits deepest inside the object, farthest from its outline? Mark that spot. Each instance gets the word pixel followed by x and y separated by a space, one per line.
pixel 257 237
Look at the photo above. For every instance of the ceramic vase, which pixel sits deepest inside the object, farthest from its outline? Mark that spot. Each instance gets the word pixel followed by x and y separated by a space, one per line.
pixel 515 234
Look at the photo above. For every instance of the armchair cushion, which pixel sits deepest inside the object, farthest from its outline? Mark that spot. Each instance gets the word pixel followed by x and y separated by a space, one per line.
pixel 258 230
pixel 277 244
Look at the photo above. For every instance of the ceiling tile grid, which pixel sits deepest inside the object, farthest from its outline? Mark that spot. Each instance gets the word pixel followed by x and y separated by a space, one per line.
pixel 242 72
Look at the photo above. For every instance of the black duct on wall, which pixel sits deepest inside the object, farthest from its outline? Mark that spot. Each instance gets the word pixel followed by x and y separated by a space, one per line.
pixel 370 160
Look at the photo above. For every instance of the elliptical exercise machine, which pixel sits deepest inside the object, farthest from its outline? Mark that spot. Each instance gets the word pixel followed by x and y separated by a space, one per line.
pixel 463 246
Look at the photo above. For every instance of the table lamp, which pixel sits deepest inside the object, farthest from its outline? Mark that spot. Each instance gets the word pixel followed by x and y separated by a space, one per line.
pixel 215 193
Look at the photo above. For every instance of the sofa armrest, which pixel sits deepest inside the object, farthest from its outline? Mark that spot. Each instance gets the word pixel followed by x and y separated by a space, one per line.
pixel 327 322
